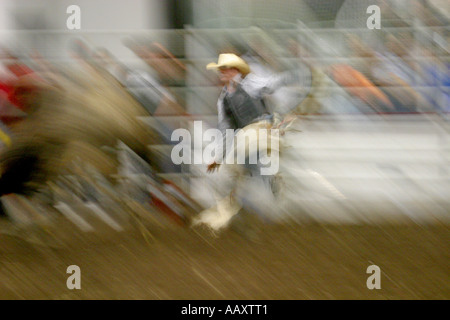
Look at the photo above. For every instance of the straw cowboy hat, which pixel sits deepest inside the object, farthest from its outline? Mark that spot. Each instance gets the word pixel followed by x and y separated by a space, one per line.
pixel 229 60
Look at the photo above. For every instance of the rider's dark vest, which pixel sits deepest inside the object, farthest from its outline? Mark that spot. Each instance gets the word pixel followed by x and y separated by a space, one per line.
pixel 242 109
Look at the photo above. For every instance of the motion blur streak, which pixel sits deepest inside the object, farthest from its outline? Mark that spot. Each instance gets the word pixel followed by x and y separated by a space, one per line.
pixel 87 178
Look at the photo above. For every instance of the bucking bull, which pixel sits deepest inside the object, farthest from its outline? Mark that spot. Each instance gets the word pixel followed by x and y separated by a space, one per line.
pixel 74 115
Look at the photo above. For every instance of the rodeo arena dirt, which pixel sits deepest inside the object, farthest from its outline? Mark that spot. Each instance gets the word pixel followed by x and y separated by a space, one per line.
pixel 119 153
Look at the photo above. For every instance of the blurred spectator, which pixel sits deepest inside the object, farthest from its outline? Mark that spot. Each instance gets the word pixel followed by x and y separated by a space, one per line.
pixel 359 86
pixel 364 54
pixel 393 73
pixel 169 69
pixel 156 99
pixel 357 80
pixel 436 78
pixel 19 81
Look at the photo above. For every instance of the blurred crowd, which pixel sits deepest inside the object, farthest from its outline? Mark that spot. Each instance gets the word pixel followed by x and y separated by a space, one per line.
pixel 405 75
pixel 53 113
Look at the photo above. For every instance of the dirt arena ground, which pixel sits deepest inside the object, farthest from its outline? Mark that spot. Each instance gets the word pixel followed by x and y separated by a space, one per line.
pixel 274 262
